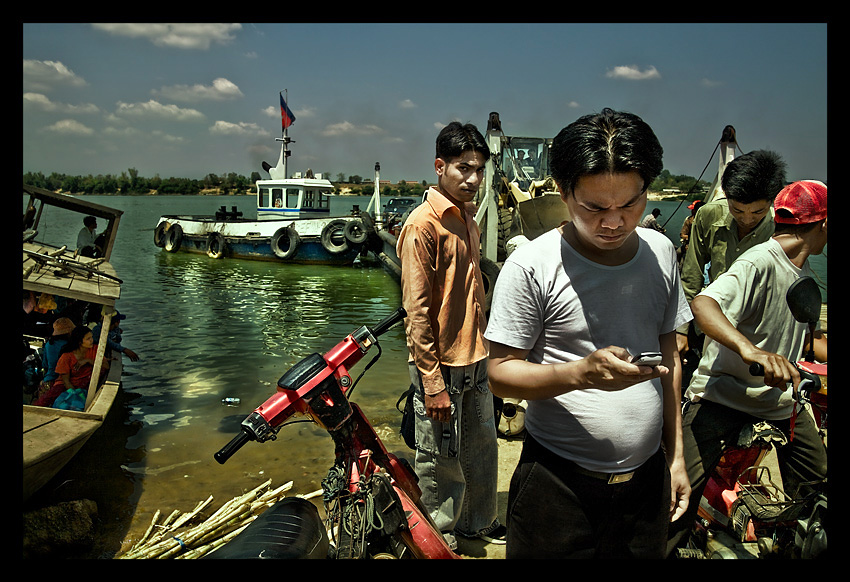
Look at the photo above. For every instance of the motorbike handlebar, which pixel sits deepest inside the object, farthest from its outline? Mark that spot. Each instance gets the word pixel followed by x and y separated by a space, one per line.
pixel 230 448
pixel 389 321
pixel 808 380
pixel 756 369
pixel 256 427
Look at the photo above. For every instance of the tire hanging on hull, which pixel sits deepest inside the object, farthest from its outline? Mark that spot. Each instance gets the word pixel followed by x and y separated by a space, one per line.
pixel 173 238
pixel 333 237
pixel 216 245
pixel 285 242
pixel 159 234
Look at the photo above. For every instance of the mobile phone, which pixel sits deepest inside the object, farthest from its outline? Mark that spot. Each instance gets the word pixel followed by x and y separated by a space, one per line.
pixel 651 359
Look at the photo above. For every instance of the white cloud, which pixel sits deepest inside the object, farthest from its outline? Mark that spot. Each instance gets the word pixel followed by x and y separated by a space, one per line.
pixel 241 128
pixel 155 109
pixel 42 102
pixel 45 76
pixel 709 83
pixel 633 73
pixel 348 128
pixel 69 127
pixel 220 90
pixel 406 104
pixel 193 36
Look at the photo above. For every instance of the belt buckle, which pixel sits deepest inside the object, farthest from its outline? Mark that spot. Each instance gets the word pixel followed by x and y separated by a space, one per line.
pixel 620 477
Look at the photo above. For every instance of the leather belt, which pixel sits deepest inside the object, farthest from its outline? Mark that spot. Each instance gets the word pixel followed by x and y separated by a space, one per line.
pixel 611 478
pixel 540 452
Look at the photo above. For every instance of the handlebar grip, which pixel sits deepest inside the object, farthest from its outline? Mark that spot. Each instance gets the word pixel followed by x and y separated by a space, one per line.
pixel 230 448
pixel 756 369
pixel 389 321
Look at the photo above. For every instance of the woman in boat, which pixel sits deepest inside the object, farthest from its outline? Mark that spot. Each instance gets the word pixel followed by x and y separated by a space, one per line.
pixel 62 329
pixel 74 368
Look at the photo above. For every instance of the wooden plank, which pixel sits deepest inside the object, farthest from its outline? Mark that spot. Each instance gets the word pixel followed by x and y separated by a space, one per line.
pixel 43 279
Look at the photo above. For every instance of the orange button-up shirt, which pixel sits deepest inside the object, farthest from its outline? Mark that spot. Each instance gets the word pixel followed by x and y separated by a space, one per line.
pixel 442 289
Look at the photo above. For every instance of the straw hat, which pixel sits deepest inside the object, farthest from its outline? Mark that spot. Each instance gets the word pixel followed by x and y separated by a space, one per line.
pixel 62 326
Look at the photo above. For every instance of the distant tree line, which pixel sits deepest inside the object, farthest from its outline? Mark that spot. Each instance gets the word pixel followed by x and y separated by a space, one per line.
pixel 403 188
pixel 129 183
pixel 684 184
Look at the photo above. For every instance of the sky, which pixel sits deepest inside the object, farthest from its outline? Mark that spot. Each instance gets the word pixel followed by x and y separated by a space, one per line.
pixel 187 100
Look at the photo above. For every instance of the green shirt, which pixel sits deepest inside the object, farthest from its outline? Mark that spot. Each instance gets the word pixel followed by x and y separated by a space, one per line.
pixel 714 242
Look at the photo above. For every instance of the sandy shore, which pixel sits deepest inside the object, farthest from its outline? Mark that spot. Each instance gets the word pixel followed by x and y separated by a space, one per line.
pixel 509 450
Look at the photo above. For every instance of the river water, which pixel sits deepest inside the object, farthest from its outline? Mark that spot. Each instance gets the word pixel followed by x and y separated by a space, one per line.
pixel 210 329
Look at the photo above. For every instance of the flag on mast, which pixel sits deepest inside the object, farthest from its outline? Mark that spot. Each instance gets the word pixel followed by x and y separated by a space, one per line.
pixel 285 113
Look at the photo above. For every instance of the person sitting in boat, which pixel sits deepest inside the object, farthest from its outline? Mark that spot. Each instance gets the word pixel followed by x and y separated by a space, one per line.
pixel 651 220
pixel 86 246
pixel 62 329
pixel 74 368
pixel 113 338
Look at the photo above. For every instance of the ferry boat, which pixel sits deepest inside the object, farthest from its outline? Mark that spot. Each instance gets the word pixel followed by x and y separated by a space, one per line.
pixel 293 221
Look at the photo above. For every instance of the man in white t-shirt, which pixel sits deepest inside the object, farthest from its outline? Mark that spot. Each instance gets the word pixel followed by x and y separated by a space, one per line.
pixel 746 320
pixel 86 238
pixel 601 472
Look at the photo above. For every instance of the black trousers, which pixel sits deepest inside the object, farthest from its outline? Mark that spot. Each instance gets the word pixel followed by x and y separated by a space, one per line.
pixel 555 511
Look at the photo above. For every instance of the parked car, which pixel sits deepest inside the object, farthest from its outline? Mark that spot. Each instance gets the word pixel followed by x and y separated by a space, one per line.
pixel 400 205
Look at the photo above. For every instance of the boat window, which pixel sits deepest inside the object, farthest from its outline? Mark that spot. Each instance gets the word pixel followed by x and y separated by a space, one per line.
pixel 308 199
pixel 324 201
pixel 292 197
pixel 261 194
pixel 277 197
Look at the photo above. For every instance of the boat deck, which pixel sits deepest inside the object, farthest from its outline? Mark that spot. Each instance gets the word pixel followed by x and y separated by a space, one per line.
pixel 75 284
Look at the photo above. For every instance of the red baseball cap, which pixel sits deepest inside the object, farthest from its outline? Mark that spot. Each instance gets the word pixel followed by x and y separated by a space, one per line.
pixel 800 203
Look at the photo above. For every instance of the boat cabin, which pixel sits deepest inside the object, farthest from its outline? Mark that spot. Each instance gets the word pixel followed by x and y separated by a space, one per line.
pixel 293 198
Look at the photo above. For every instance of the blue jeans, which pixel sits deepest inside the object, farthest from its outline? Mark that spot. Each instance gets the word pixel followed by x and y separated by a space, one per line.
pixel 457 462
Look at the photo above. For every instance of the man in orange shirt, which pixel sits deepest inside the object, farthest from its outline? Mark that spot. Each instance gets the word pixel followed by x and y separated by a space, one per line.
pixel 443 293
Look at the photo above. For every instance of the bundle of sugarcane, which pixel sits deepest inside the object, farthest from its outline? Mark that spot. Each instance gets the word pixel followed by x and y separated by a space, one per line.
pixel 183 537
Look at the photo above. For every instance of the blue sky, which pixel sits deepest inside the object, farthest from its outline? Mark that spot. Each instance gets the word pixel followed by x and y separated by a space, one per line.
pixel 188 100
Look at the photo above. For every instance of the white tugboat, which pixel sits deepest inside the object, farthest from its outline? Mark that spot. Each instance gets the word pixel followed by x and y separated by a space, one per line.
pixel 293 222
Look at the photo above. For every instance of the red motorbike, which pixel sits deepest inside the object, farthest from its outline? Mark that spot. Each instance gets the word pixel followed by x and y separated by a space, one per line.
pixel 743 513
pixel 371 497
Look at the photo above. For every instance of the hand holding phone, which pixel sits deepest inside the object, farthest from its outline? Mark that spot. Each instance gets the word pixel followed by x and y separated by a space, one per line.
pixel 650 359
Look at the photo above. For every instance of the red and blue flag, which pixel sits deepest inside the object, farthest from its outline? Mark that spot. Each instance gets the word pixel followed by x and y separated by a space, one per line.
pixel 285 113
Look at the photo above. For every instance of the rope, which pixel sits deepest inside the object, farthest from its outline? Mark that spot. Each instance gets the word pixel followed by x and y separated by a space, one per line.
pixel 357 513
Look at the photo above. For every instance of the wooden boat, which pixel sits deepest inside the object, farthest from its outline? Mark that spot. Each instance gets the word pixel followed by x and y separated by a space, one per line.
pixel 293 222
pixel 51 437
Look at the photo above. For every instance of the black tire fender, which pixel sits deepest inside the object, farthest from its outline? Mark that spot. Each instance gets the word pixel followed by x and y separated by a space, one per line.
pixel 285 242
pixel 216 245
pixel 489 274
pixel 159 234
pixel 355 233
pixel 333 230
pixel 173 238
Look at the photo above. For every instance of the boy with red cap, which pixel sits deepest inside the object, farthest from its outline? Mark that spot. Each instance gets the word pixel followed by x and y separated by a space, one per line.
pixel 746 320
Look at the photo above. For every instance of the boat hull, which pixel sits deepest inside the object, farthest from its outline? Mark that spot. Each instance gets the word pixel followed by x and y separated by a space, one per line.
pixel 52 437
pixel 320 241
